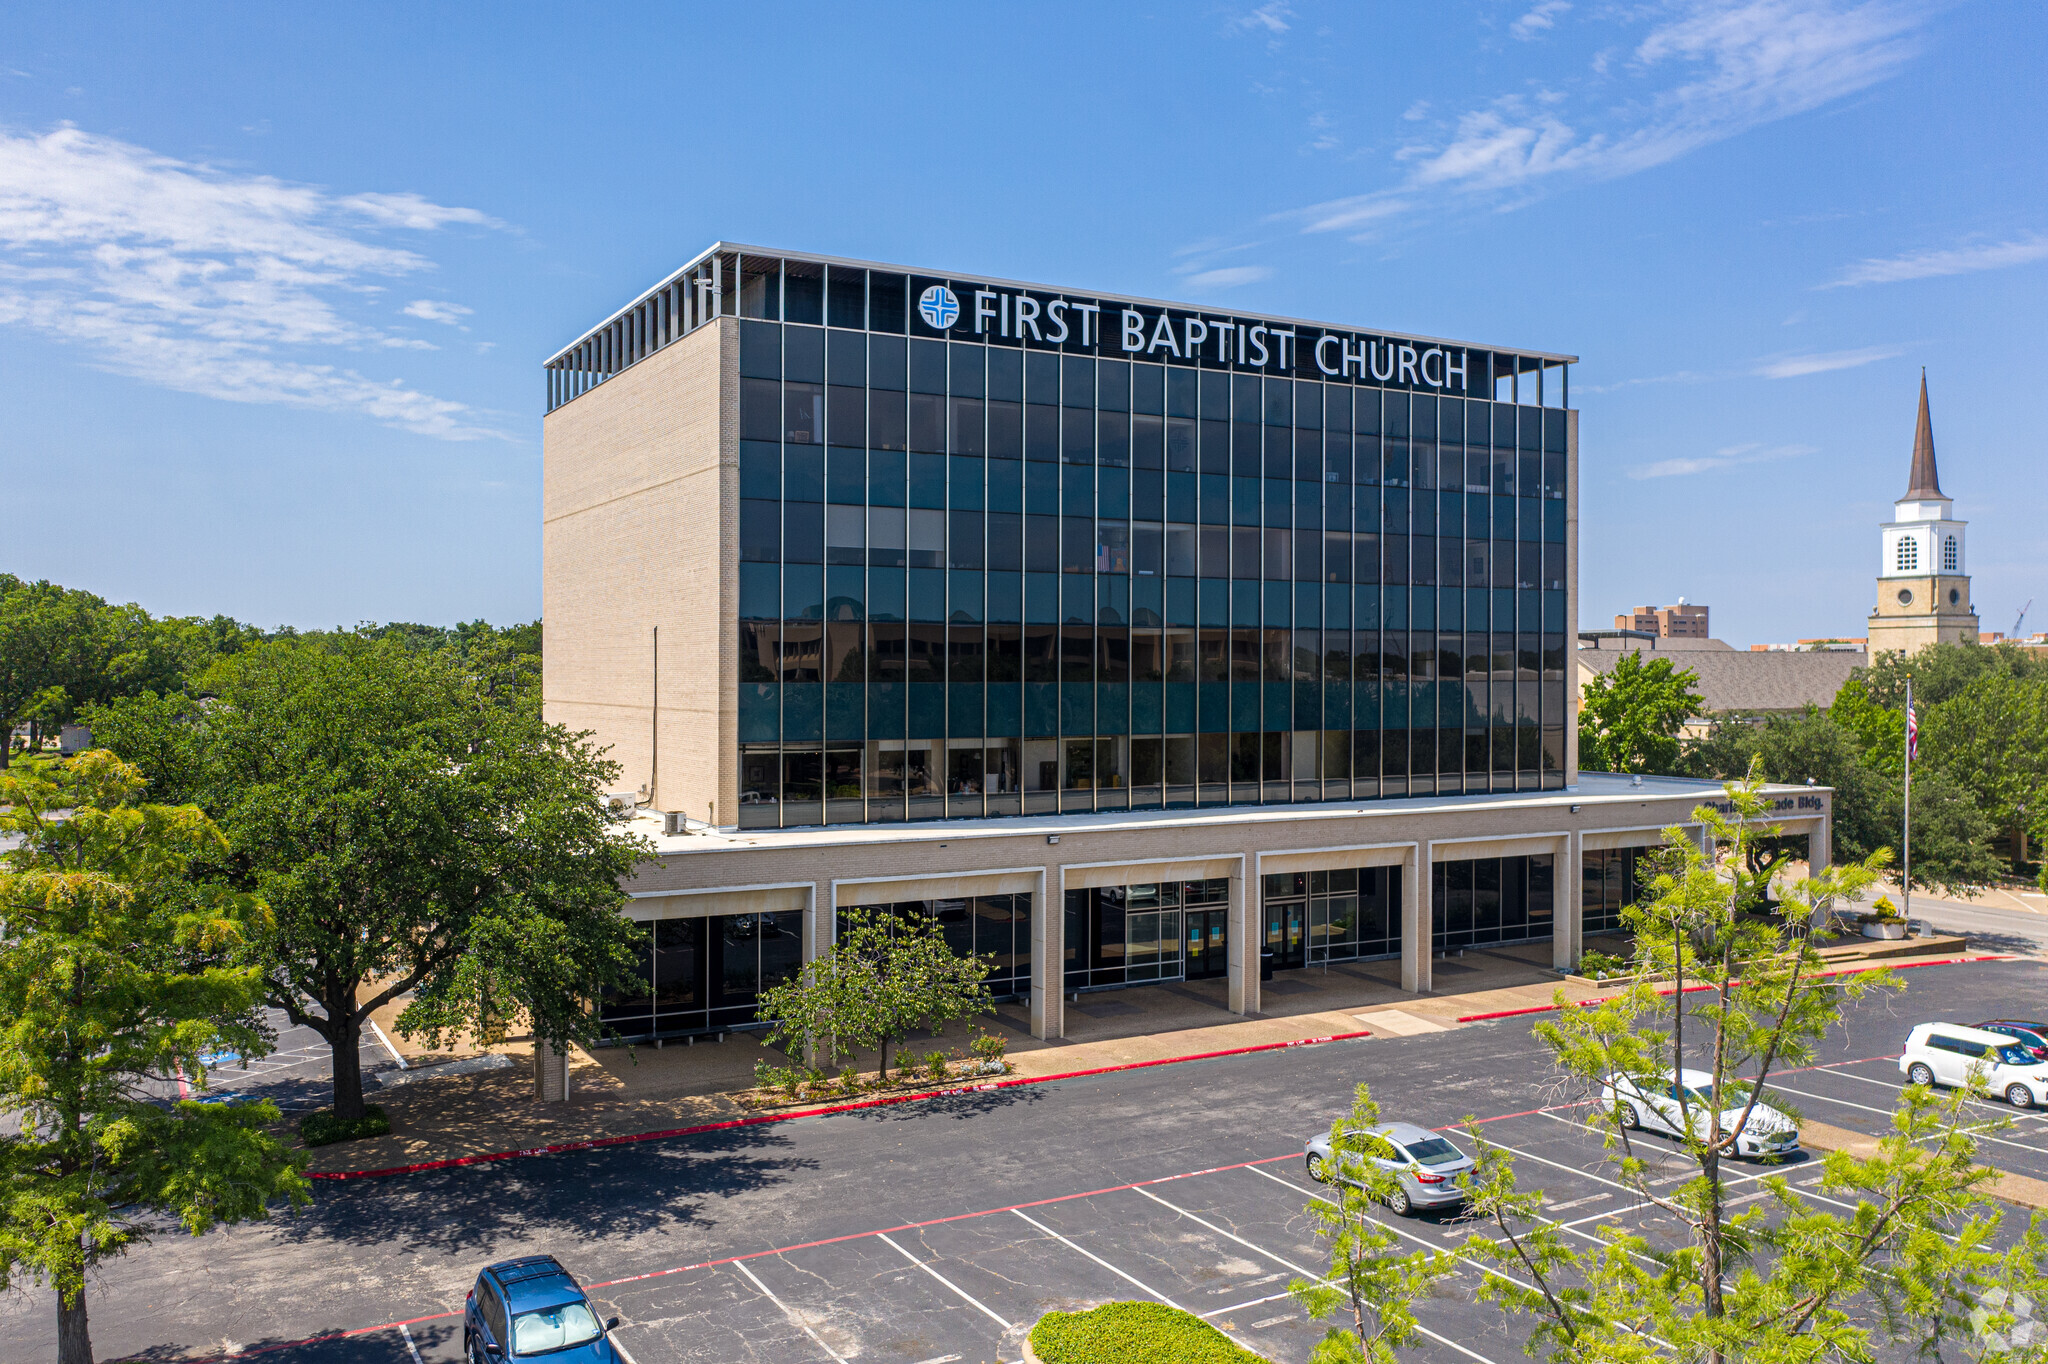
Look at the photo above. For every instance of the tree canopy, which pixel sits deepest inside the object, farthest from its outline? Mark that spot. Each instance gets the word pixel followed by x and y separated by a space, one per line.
pixel 417 830
pixel 118 974
pixel 1629 718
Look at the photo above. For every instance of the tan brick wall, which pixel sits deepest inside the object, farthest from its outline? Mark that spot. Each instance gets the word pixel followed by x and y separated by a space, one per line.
pixel 639 533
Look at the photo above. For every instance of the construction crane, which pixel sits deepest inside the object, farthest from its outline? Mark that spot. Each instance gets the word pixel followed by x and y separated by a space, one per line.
pixel 2022 620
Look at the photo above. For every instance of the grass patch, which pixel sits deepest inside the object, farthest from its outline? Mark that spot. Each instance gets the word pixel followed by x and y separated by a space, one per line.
pixel 1134 1333
pixel 323 1128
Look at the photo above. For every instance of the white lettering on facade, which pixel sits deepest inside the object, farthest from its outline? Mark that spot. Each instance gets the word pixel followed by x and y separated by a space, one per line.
pixel 983 298
pixel 1286 340
pixel 1433 353
pixel 1223 332
pixel 1087 311
pixel 1324 365
pixel 1257 337
pixel 1406 369
pixel 1027 316
pixel 1196 331
pixel 1162 335
pixel 1457 369
pixel 1134 331
pixel 1373 349
pixel 1056 316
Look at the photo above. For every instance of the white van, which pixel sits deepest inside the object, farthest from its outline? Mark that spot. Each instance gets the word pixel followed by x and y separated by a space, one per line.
pixel 1950 1054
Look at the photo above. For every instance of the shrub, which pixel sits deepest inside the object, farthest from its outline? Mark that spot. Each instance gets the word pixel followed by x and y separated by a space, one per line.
pixel 1134 1333
pixel 989 1046
pixel 849 1078
pixel 1882 912
pixel 323 1128
pixel 1598 966
pixel 935 1065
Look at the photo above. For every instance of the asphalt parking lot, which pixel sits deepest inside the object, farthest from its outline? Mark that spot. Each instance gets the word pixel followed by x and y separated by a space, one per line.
pixel 938 1232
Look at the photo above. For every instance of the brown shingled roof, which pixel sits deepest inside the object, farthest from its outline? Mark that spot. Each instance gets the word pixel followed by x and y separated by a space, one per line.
pixel 1743 681
pixel 1925 480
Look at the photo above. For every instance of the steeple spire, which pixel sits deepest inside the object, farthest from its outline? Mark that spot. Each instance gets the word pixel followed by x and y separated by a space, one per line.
pixel 1925 481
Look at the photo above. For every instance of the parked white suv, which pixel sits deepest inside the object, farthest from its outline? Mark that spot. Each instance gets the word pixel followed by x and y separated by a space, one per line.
pixel 1950 1054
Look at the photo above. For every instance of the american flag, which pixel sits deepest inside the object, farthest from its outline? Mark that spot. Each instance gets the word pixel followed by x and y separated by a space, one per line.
pixel 1912 732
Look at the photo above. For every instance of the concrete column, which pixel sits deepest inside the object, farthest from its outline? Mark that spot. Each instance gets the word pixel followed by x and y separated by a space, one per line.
pixel 550 1072
pixel 1417 921
pixel 1247 940
pixel 1049 957
pixel 821 925
pixel 1820 845
pixel 1568 903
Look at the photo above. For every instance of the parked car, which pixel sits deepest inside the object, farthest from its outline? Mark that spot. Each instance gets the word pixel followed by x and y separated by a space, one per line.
pixel 1655 1106
pixel 1430 1172
pixel 1951 1054
pixel 2032 1036
pixel 532 1308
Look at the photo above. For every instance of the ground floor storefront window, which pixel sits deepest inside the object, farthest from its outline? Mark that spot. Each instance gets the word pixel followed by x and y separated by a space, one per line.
pixel 1490 900
pixel 1128 935
pixel 1313 917
pixel 705 974
pixel 994 927
pixel 1608 882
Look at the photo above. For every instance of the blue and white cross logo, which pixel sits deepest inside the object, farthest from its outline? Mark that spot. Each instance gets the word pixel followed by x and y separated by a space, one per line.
pixel 938 307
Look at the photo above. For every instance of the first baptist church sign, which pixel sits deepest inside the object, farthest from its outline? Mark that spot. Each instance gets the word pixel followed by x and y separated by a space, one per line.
pixel 1194 337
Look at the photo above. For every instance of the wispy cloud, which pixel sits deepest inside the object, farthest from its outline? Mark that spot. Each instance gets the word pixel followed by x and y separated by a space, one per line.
pixel 1270 17
pixel 1797 366
pixel 1230 276
pixel 1961 260
pixel 1538 19
pixel 433 310
pixel 1727 457
pixel 237 287
pixel 1718 70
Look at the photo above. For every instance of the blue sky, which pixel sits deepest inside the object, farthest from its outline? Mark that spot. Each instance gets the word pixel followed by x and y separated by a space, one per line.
pixel 276 282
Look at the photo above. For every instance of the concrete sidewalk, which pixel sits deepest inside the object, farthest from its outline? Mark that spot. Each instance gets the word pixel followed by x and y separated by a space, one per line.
pixel 619 1092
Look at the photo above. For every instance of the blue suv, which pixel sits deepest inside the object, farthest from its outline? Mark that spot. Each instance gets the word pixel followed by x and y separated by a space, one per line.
pixel 533 1308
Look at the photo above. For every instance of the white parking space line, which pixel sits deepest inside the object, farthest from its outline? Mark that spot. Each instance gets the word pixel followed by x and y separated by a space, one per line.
pixel 787 1310
pixel 406 1331
pixel 1288 1264
pixel 1141 1287
pixel 962 1293
pixel 1886 1113
pixel 2033 1114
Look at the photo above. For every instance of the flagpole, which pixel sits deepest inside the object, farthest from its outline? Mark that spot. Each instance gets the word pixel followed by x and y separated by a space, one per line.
pixel 1906 877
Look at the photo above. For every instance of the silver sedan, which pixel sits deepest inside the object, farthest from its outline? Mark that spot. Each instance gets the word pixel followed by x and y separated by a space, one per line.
pixel 1429 1171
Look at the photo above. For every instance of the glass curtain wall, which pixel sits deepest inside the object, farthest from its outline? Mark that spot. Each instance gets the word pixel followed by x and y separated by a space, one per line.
pixel 1491 900
pixel 1324 916
pixel 706 974
pixel 1129 935
pixel 996 927
pixel 990 578
pixel 1609 882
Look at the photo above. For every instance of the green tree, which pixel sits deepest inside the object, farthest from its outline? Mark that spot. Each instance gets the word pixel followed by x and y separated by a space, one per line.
pixel 41 626
pixel 1941 671
pixel 414 831
pixel 1899 1254
pixel 886 976
pixel 1369 1281
pixel 1629 718
pixel 1794 749
pixel 1991 738
pixel 116 976
pixel 1879 730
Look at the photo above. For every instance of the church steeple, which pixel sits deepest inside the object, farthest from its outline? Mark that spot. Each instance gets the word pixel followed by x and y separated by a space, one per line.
pixel 1925 481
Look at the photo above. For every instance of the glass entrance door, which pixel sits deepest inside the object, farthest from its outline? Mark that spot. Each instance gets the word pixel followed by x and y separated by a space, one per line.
pixel 1208 943
pixel 1286 937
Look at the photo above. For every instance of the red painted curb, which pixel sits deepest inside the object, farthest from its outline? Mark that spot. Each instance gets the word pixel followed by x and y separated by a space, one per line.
pixel 1839 971
pixel 594 1143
